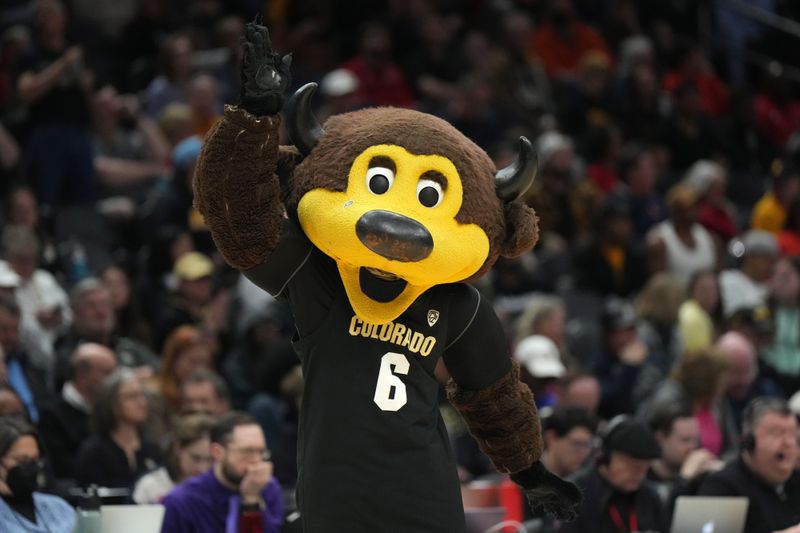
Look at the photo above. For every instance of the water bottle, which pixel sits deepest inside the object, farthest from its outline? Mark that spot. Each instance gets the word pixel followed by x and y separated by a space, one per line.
pixel 79 267
pixel 89 519
pixel 510 496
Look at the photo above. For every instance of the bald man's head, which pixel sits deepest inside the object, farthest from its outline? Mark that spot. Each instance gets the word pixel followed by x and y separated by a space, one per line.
pixel 742 362
pixel 91 364
pixel 582 391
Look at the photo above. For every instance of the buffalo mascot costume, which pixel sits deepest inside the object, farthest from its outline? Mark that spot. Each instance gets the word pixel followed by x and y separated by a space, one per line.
pixel 369 227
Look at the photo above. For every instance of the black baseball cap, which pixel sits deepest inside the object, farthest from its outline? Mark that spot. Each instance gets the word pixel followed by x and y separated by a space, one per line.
pixel 634 438
pixel 759 318
pixel 618 314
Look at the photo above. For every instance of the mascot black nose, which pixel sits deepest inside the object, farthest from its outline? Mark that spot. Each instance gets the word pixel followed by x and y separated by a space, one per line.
pixel 394 236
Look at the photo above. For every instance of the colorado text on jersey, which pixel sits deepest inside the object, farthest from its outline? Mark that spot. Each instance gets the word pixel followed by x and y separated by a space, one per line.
pixel 395 333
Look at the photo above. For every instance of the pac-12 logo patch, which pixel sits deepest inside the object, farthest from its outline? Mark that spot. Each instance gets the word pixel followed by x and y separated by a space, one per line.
pixel 433 317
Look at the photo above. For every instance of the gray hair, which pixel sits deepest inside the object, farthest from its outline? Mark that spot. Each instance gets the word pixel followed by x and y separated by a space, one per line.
pixel 540 309
pixel 206 376
pixel 702 174
pixel 84 287
pixel 104 412
pixel 632 50
pixel 17 238
pixel 758 407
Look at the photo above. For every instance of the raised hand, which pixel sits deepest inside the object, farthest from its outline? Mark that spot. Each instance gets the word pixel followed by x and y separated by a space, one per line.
pixel 257 477
pixel 265 75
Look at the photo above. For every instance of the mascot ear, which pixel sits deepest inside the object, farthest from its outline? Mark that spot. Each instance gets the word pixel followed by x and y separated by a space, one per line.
pixel 288 158
pixel 522 229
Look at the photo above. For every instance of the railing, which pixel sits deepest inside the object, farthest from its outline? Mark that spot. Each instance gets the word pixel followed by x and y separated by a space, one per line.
pixel 771 20
pixel 763 16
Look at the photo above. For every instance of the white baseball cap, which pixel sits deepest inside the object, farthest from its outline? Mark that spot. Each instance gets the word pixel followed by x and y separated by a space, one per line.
pixel 794 403
pixel 540 356
pixel 8 278
pixel 339 82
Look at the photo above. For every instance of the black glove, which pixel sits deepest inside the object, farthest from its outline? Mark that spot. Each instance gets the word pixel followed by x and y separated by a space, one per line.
pixel 548 493
pixel 264 74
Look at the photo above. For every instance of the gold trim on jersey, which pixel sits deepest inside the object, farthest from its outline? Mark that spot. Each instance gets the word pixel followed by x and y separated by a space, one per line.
pixel 394 333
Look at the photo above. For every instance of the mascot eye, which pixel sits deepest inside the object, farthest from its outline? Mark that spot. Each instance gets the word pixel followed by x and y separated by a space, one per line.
pixel 429 193
pixel 379 179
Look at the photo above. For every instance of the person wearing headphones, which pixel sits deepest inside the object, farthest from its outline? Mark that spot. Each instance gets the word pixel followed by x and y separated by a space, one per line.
pixel 568 434
pixel 615 497
pixel 764 472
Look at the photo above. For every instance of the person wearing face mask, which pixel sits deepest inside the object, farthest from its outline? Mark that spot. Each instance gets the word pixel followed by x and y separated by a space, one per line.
pixel 23 508
pixel 764 471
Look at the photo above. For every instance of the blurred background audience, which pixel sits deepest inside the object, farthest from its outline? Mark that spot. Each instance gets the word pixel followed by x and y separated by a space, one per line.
pixel 665 285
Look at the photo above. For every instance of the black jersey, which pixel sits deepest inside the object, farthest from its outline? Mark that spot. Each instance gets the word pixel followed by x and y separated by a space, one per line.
pixel 373 452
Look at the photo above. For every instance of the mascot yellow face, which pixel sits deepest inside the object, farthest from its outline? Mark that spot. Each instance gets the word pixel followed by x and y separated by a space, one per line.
pixel 402 201
pixel 393 232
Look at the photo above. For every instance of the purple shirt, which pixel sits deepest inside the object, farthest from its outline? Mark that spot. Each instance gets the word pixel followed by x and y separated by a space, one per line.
pixel 204 505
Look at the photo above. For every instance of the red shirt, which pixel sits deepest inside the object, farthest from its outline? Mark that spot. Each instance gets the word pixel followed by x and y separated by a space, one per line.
pixel 713 93
pixel 775 121
pixel 717 220
pixel 251 523
pixel 561 57
pixel 605 178
pixel 385 86
pixel 789 243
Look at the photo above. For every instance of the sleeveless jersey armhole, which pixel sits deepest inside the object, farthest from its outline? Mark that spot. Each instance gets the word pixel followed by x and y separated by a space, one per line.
pixel 474 314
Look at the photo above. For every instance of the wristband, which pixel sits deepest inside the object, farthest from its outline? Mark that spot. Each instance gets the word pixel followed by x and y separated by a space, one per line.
pixel 252 507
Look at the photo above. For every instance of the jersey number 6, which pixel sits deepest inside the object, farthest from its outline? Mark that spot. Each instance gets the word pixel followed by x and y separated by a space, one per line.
pixel 390 391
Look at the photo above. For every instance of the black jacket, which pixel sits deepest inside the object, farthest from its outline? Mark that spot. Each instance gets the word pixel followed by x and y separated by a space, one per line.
pixel 598 496
pixel 768 511
pixel 592 271
pixel 63 428
pixel 100 461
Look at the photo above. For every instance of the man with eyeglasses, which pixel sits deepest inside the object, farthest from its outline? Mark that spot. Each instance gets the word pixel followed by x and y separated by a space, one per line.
pixel 764 472
pixel 568 432
pixel 238 495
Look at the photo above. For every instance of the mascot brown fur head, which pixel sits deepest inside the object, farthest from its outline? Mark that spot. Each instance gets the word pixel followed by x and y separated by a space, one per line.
pixel 511 227
pixel 469 218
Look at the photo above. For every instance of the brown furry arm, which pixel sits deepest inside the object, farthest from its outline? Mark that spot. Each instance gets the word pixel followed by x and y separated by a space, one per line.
pixel 236 188
pixel 503 419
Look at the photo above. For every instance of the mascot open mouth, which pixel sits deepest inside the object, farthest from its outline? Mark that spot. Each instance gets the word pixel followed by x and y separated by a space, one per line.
pixel 379 285
pixel 376 295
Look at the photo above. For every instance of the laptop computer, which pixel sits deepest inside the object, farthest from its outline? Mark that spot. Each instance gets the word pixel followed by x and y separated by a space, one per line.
pixel 709 514
pixel 132 518
pixel 479 519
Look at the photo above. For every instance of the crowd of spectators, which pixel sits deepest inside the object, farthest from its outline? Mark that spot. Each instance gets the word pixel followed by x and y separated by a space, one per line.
pixel 665 286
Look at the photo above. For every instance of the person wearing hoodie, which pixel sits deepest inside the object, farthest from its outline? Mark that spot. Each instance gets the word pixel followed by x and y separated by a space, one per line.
pixel 257 364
